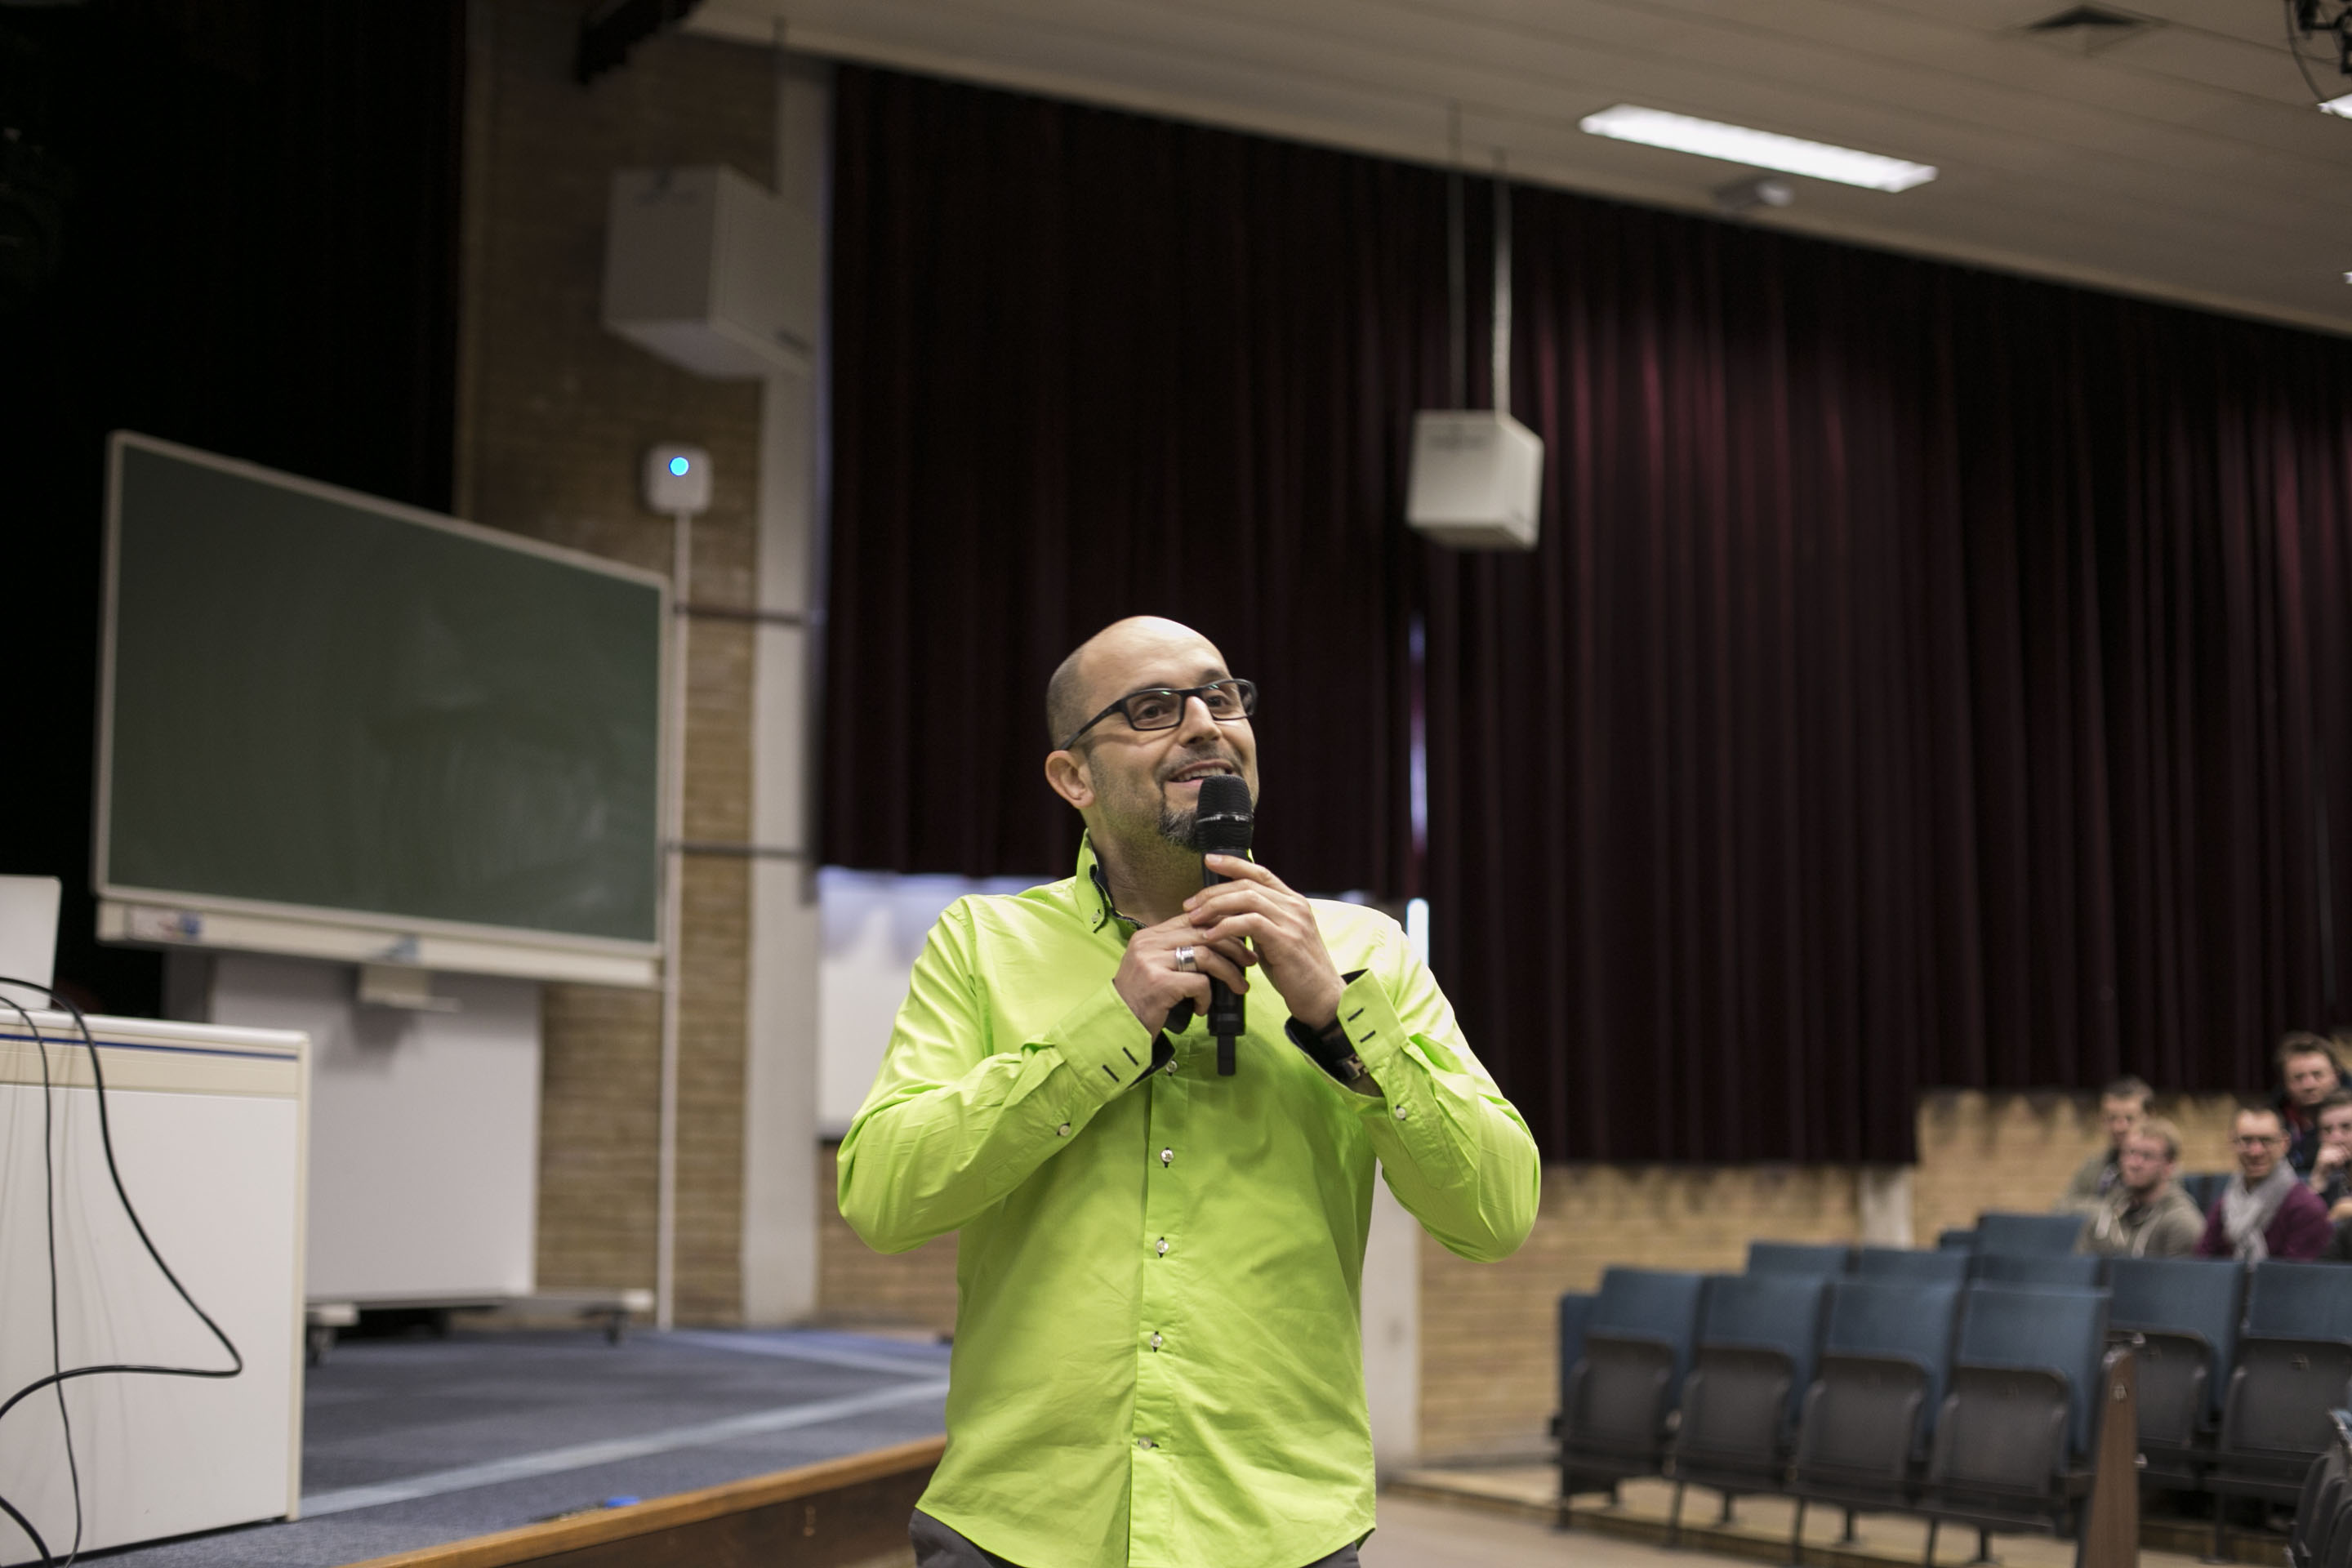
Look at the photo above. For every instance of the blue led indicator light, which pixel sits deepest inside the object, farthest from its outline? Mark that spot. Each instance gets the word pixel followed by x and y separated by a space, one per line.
pixel 679 466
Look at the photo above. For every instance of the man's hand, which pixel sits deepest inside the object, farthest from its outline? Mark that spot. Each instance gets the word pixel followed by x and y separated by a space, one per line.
pixel 2331 1157
pixel 1150 983
pixel 1256 906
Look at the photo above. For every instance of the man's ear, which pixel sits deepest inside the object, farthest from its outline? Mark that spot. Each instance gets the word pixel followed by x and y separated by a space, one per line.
pixel 1066 773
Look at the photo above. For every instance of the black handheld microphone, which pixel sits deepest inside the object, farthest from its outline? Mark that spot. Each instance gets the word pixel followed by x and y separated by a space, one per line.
pixel 1222 827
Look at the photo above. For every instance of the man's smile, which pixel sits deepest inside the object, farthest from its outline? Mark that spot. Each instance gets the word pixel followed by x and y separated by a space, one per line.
pixel 1194 772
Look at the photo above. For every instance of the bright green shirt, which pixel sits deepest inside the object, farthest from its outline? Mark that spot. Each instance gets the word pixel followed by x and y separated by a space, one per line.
pixel 1158 1355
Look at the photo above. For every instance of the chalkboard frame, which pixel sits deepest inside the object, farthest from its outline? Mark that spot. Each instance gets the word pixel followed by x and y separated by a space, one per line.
pixel 193 918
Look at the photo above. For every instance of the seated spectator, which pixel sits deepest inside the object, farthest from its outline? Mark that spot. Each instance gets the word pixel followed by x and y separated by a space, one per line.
pixel 2145 1216
pixel 2309 1071
pixel 2331 1172
pixel 2264 1212
pixel 2123 1105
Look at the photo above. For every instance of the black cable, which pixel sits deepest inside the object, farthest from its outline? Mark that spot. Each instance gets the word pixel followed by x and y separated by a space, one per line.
pixel 2295 47
pixel 114 1172
pixel 49 1230
pixel 26 1526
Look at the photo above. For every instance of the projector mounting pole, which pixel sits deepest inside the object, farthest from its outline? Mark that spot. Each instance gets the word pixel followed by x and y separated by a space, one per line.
pixel 1502 363
pixel 1457 356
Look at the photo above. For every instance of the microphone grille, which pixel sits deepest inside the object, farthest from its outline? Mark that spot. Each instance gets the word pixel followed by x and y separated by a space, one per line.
pixel 1225 819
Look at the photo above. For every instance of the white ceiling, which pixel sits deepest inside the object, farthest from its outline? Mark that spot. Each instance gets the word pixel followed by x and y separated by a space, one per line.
pixel 2184 160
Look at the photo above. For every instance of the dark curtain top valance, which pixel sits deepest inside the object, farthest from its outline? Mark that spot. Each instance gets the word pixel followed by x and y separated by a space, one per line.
pixel 1927 677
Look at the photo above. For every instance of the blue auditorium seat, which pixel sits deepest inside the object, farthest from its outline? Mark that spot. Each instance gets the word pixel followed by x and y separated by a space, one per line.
pixel 2072 1270
pixel 1886 1355
pixel 1755 1348
pixel 2027 1232
pixel 1617 1400
pixel 2295 1366
pixel 2179 1318
pixel 2013 1440
pixel 1817 1260
pixel 2204 1188
pixel 1907 1263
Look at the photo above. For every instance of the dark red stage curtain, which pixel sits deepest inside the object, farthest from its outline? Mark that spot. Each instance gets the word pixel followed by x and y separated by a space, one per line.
pixel 1926 677
pixel 1090 365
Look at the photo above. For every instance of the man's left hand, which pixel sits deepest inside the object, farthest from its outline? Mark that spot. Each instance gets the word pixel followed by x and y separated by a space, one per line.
pixel 1256 905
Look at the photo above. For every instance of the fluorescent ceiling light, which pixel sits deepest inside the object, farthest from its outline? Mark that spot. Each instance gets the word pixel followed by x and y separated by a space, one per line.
pixel 1757 149
pixel 2341 106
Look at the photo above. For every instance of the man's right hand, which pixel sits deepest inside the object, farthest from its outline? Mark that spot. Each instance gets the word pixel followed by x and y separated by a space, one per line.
pixel 1150 982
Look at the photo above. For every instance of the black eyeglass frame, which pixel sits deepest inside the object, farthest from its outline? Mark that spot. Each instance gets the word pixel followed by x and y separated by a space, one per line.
pixel 1183 694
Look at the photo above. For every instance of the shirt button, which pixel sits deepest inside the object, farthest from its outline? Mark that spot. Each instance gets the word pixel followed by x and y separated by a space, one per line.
pixel 1155 1342
pixel 1063 1130
pixel 1143 1442
pixel 1166 1157
pixel 1399 1116
pixel 1163 1247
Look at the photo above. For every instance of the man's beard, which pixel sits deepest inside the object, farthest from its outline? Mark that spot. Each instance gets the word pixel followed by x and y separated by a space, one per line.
pixel 1181 828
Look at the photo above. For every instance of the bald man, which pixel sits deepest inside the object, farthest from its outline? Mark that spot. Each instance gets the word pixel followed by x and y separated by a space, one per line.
pixel 1157 1358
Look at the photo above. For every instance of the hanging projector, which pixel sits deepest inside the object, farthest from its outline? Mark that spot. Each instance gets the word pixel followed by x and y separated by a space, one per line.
pixel 1477 479
pixel 1478 473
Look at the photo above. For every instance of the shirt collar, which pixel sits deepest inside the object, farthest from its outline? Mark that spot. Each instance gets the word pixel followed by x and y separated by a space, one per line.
pixel 1092 889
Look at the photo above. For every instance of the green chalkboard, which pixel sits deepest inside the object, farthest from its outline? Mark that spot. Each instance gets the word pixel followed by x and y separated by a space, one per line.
pixel 331 703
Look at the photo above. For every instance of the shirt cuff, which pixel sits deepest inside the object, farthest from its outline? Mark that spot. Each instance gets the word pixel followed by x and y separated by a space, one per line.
pixel 1100 1039
pixel 1341 1052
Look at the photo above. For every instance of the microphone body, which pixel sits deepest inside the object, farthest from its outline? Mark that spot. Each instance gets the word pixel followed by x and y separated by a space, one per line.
pixel 1224 823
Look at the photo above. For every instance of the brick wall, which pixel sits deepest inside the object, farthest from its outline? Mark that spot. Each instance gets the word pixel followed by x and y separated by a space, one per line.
pixel 2017 1151
pixel 1488 1372
pixel 554 415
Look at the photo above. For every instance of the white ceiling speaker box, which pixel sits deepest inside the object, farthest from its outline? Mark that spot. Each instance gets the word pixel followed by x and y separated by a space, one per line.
pixel 1477 479
pixel 712 272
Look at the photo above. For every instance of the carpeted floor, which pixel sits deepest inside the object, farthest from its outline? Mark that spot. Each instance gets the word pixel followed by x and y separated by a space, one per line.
pixel 419 1442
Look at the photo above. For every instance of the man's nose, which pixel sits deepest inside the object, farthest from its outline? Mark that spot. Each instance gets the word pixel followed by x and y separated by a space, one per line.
pixel 1197 721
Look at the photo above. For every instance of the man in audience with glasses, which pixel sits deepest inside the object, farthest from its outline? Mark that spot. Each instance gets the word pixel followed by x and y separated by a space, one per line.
pixel 2265 1211
pixel 1158 1355
pixel 2143 1215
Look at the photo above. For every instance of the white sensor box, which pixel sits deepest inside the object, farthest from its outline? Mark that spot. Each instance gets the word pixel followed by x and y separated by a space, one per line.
pixel 708 270
pixel 677 480
pixel 1477 479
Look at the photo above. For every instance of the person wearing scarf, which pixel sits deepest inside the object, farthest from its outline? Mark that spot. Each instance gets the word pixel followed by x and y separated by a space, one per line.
pixel 2265 1211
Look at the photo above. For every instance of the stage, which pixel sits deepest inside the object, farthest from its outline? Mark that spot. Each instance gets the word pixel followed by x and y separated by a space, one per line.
pixel 410 1445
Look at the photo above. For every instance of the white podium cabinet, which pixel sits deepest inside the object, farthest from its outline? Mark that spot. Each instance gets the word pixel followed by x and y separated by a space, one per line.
pixel 209 1128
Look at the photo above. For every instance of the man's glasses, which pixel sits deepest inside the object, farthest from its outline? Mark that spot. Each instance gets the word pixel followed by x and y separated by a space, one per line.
pixel 1162 706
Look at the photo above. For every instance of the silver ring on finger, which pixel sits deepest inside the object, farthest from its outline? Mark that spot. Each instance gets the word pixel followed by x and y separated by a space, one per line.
pixel 1184 961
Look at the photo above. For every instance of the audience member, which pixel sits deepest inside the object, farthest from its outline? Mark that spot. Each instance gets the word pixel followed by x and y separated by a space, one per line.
pixel 2309 1071
pixel 2265 1211
pixel 2123 1105
pixel 2331 1171
pixel 2143 1215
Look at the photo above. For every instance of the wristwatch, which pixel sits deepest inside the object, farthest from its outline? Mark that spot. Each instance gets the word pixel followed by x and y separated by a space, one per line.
pixel 1330 1049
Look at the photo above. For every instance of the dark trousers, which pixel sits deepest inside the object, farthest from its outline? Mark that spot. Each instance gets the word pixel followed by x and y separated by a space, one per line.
pixel 937 1546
